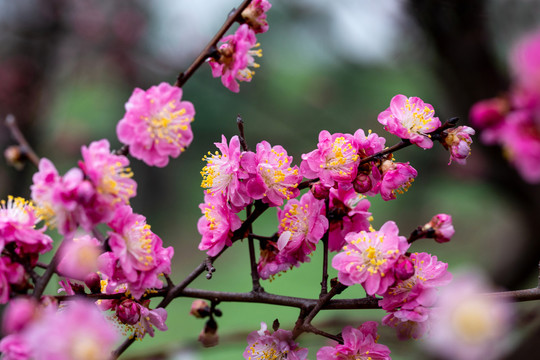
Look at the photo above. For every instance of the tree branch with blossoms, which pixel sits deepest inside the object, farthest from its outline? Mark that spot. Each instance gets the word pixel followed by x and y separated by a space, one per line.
pixel 324 200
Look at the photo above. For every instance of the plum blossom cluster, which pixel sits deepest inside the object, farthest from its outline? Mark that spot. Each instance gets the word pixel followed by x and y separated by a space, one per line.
pixel 131 259
pixel 77 330
pixel 234 59
pixel 512 120
pixel 235 177
pixel 126 266
pixel 20 240
pixel 87 195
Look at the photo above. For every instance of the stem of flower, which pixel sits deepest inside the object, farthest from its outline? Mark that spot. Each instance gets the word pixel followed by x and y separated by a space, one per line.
pixel 211 47
pixel 26 149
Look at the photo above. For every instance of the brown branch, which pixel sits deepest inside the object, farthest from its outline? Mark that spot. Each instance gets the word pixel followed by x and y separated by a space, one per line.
pixel 25 147
pixel 518 295
pixel 304 322
pixel 212 45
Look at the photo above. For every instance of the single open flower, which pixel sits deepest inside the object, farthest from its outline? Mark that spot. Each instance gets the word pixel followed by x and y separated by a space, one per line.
pixel 156 125
pixel 410 118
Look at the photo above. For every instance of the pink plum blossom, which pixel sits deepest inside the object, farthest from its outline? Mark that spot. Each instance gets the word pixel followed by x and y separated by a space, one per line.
pixel 410 118
pixel 442 226
pixel 466 324
pixel 348 213
pixel 111 178
pixel 301 225
pixel 272 178
pixel 458 141
pixel 216 225
pixel 11 273
pixel 137 256
pixel 156 124
pixel 520 138
pixel 222 174
pixel 420 288
pixel 489 112
pixel 272 261
pixel 358 343
pixel 14 347
pixel 18 314
pixel 263 344
pixel 135 316
pixel 18 221
pixel 335 160
pixel 79 331
pixel 525 61
pixel 392 178
pixel 369 144
pixel 58 198
pixel 235 58
pixel 79 257
pixel 369 258
pixel 409 324
pixel 255 15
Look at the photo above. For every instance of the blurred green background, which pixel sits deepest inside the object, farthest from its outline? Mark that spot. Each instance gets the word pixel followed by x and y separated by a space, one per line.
pixel 68 67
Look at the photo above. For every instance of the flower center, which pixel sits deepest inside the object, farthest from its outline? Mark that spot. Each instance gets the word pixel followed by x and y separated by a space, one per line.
pixel 168 124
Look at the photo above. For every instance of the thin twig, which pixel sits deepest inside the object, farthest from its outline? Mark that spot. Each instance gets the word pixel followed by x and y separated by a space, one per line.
pixel 42 282
pixel 313 329
pixel 240 124
pixel 25 147
pixel 212 45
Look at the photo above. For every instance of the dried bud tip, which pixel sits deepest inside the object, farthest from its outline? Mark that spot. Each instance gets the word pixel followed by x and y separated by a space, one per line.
pixel 208 336
pixel 319 191
pixel 404 268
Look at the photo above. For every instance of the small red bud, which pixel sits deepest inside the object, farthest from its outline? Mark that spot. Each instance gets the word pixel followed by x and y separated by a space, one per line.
pixel 404 268
pixel 319 191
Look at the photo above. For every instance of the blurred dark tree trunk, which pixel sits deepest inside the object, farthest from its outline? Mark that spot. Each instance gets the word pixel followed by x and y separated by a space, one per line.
pixel 465 65
pixel 30 36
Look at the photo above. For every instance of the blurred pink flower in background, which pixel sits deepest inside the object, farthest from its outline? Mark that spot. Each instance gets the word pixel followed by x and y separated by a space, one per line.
pixel 467 324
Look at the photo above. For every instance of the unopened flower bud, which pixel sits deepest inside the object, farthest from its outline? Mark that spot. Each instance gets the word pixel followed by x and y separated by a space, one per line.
pixel 442 225
pixel 200 309
pixel 93 282
pixel 404 268
pixel 208 336
pixel 128 312
pixel 319 191
pixel 362 183
pixel 14 157
pixel 458 141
